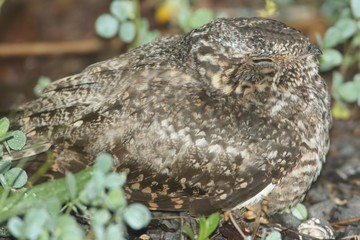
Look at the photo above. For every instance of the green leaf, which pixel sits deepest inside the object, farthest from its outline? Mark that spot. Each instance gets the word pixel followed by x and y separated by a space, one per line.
pixel 201 17
pixel 337 81
pixel 349 92
pixel 355 8
pixel 1 152
pixel 144 27
pixel 115 199
pixel 98 230
pixel 149 37
pixel 212 222
pixel 17 140
pixel 188 231
pixel 41 84
pixel 94 189
pixel 16 227
pixel 137 216
pixel 101 216
pixel 5 165
pixel 274 235
pixel 16 177
pixel 347 28
pixel 103 162
pixel 68 228
pixel 4 126
pixel 34 222
pixel 53 206
pixel 127 31
pixel 332 37
pixel 113 180
pixel 123 9
pixel 208 225
pixel 114 232
pixel 329 59
pixel 357 80
pixel 299 211
pixel 3 181
pixel 106 26
pixel 71 184
pixel 184 19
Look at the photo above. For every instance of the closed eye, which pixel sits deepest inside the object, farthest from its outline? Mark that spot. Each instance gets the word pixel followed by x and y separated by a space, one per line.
pixel 262 60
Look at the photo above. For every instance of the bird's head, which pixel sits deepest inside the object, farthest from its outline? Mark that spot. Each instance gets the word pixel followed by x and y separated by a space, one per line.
pixel 236 54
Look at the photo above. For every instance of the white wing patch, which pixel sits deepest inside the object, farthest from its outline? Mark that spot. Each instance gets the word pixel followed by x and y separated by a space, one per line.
pixel 257 198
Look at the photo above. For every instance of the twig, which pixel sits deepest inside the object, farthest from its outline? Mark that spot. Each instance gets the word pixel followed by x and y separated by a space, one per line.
pixel 346 221
pixel 236 226
pixel 84 46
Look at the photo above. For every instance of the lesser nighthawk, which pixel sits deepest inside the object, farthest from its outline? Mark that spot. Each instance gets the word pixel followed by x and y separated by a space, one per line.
pixel 232 114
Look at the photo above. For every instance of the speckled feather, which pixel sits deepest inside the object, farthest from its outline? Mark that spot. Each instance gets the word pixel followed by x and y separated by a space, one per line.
pixel 230 115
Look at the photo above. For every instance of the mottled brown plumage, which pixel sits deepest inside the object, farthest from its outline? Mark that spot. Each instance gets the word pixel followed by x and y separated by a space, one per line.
pixel 232 114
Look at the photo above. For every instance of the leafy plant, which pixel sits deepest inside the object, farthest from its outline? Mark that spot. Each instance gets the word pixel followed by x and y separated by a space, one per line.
pixel 95 194
pixel 11 140
pixel 341 50
pixel 11 178
pixel 206 227
pixel 125 21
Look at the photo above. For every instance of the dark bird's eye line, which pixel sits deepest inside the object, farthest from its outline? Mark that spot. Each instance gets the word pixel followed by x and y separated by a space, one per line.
pixel 259 60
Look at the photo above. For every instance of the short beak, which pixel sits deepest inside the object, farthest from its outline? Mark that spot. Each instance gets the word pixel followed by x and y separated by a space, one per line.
pixel 314 50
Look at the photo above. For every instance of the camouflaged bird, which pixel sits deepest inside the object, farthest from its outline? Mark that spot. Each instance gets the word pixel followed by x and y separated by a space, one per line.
pixel 232 114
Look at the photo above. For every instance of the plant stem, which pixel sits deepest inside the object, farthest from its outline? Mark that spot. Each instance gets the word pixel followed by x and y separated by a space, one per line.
pixel 19 202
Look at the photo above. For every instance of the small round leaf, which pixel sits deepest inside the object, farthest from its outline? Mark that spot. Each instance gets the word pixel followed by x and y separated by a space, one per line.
pixel 115 199
pixel 114 232
pixel 355 8
pixel 201 17
pixel 127 31
pixel 34 221
pixel 274 235
pixel 41 84
pixel 123 9
pixel 329 59
pixel 16 177
pixel 4 126
pixel 137 216
pixel 103 162
pixel 114 180
pixel 332 37
pixel 149 37
pixel 17 140
pixel 101 216
pixel 347 28
pixel 349 92
pixel 184 19
pixel 300 212
pixel 16 227
pixel 106 26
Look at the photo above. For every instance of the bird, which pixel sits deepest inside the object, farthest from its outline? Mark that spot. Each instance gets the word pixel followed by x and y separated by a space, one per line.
pixel 229 115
